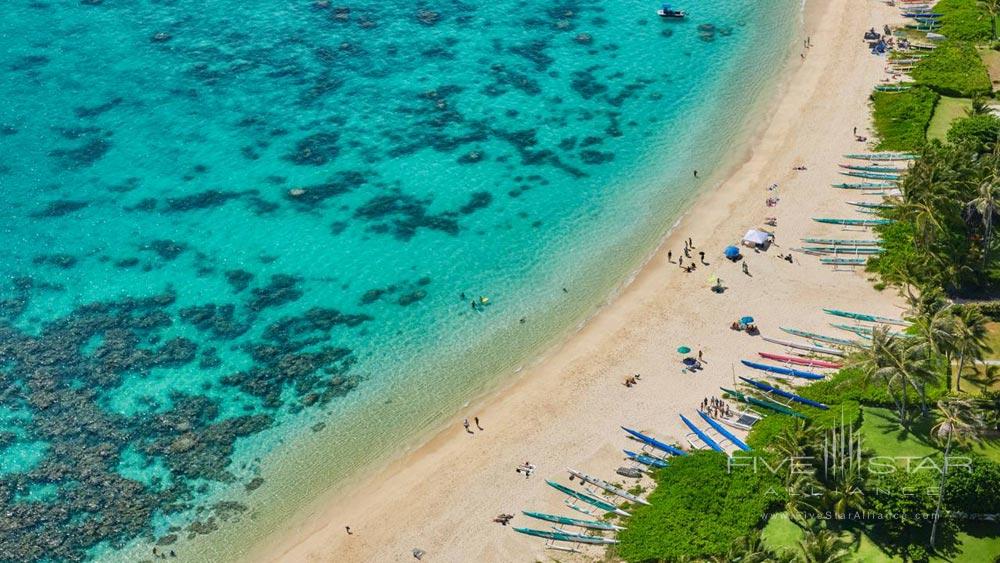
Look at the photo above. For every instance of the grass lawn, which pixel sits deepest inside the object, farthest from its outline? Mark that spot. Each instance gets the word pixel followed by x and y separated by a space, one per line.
pixel 993 341
pixel 883 434
pixel 946 111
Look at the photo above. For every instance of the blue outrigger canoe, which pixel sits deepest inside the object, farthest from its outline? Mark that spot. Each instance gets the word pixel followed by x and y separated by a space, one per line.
pixel 782 370
pixel 702 436
pixel 646 459
pixel 782 393
pixel 722 430
pixel 650 441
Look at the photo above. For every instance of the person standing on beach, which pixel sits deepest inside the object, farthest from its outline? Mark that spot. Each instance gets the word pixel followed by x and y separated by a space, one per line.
pixel 466 425
pixel 746 270
pixel 349 532
pixel 695 173
pixel 476 419
pixel 670 256
pixel 701 255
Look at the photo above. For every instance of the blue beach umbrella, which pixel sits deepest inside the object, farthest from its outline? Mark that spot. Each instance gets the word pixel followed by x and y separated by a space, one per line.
pixel 731 252
pixel 746 320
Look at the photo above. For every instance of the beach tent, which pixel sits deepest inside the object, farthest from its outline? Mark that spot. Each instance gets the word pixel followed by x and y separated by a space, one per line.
pixel 756 238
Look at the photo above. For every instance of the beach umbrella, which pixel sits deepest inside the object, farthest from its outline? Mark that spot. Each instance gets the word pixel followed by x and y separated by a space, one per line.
pixel 746 320
pixel 684 350
pixel 731 252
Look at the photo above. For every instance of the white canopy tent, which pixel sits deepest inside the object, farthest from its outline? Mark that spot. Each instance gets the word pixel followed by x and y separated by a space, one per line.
pixel 756 238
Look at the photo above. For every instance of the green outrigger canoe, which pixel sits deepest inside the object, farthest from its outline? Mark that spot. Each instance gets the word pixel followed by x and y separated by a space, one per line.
pixel 881 156
pixel 592 501
pixel 865 186
pixel 566 521
pixel 852 222
pixel 865 317
pixel 843 249
pixel 866 332
pixel 844 241
pixel 763 403
pixel 870 205
pixel 871 175
pixel 873 168
pixel 843 261
pixel 567 537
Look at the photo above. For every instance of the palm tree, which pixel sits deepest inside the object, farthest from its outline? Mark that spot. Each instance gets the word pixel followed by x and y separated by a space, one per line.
pixel 750 549
pixel 823 546
pixel 960 423
pixel 993 7
pixel 900 363
pixel 969 339
pixel 978 106
pixel 985 204
pixel 844 493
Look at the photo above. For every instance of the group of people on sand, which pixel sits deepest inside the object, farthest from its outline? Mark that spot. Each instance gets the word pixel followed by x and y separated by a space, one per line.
pixel 716 407
pixel 632 380
pixel 467 425
pixel 688 247
pixel 503 519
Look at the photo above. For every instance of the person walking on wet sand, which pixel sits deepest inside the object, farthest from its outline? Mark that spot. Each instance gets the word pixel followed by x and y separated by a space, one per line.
pixel 466 425
pixel 476 419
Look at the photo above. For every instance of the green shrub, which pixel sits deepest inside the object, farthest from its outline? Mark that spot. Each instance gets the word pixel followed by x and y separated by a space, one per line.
pixel 698 509
pixel 899 503
pixel 974 491
pixel 982 132
pixel 844 414
pixel 901 118
pixel 764 431
pixel 965 20
pixel 848 386
pixel 953 69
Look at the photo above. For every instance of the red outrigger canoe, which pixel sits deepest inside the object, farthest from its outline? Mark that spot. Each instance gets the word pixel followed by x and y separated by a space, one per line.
pixel 800 361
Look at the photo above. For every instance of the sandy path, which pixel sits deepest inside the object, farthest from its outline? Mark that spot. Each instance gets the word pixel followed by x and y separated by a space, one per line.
pixel 566 410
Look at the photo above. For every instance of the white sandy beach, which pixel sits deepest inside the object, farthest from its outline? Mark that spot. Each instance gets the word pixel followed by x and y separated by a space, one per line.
pixel 566 410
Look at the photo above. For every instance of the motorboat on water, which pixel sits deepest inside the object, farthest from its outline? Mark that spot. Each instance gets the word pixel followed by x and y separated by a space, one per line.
pixel 666 11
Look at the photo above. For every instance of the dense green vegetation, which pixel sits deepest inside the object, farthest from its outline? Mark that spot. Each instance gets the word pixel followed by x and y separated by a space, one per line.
pixel 966 20
pixel 953 69
pixel 943 235
pixel 699 509
pixel 901 118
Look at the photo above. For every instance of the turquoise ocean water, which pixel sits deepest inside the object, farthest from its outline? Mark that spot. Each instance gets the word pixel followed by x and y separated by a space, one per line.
pixel 238 229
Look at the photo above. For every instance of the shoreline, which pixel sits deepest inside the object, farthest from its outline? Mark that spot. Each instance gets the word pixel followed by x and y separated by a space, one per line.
pixel 634 319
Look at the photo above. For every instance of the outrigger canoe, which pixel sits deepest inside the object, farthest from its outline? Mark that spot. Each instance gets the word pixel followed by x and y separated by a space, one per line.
pixel 566 521
pixel 809 362
pixel 646 459
pixel 705 438
pixel 843 261
pixel 856 250
pixel 865 331
pixel 870 205
pixel 852 222
pixel 563 536
pixel 598 482
pixel 778 370
pixel 806 347
pixel 871 175
pixel 881 156
pixel 592 501
pixel 764 403
pixel 819 337
pixel 843 241
pixel 881 169
pixel 781 392
pixel 722 430
pixel 865 317
pixel 653 442
pixel 864 186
